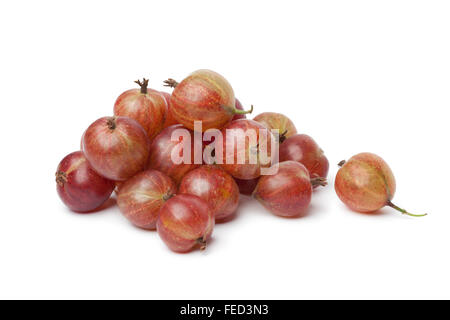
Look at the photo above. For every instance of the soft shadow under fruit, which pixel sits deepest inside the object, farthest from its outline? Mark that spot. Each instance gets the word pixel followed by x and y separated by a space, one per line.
pixel 365 183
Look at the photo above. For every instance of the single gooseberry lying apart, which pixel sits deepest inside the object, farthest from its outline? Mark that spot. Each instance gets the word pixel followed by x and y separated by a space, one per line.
pixel 247 148
pixel 273 120
pixel 288 192
pixel 162 149
pixel 185 221
pixel 216 187
pixel 246 187
pixel 169 120
pixel 365 183
pixel 302 148
pixel 141 197
pixel 79 186
pixel 148 107
pixel 203 96
pixel 116 147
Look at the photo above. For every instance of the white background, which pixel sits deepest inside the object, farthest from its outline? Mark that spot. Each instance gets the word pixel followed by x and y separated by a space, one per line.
pixel 356 75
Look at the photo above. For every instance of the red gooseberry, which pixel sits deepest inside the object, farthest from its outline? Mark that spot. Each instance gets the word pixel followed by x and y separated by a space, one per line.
pixel 288 192
pixel 277 121
pixel 184 222
pixel 246 159
pixel 116 147
pixel 216 187
pixel 203 96
pixel 79 186
pixel 141 197
pixel 302 148
pixel 365 183
pixel 163 148
pixel 147 106
pixel 171 121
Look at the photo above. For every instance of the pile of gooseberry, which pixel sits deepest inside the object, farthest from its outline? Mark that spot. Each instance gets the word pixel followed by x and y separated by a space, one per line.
pixel 131 153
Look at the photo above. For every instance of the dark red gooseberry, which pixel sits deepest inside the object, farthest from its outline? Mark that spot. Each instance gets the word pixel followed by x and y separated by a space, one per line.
pixel 79 186
pixel 288 192
pixel 302 148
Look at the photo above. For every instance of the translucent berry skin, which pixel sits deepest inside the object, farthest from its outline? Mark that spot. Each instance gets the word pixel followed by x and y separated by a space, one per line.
pixel 170 120
pixel 365 183
pixel 185 221
pixel 274 120
pixel 116 147
pixel 79 186
pixel 203 96
pixel 161 154
pixel 141 197
pixel 216 187
pixel 237 130
pixel 149 109
pixel 302 148
pixel 286 193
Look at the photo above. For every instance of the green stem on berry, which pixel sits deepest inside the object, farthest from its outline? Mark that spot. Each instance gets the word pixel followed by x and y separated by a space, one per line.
pixel 390 204
pixel 237 111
